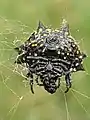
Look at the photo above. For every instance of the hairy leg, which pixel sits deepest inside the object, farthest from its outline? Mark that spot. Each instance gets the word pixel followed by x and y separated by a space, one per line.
pixel 68 82
pixel 30 76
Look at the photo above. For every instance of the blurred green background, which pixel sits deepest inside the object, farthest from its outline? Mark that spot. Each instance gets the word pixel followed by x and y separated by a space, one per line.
pixel 18 18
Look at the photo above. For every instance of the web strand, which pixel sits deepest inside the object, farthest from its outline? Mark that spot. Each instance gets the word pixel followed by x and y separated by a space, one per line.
pixel 82 106
pixel 66 106
pixel 82 94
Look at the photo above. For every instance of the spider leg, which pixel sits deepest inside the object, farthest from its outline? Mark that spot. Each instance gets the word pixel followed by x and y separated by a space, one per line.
pixel 31 84
pixel 38 82
pixel 68 82
pixel 58 85
pixel 30 76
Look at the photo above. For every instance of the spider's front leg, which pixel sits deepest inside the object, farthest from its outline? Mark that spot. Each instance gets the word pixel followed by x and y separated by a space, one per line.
pixel 68 81
pixel 30 76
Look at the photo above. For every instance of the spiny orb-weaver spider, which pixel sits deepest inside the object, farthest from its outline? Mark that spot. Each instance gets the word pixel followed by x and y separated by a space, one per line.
pixel 50 54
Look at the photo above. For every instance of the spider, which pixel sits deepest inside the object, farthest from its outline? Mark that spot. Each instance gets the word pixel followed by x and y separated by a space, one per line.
pixel 50 54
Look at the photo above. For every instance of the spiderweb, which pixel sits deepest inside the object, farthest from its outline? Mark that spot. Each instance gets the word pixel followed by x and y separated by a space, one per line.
pixel 16 99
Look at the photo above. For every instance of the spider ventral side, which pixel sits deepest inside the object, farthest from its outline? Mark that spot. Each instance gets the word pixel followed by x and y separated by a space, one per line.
pixel 50 54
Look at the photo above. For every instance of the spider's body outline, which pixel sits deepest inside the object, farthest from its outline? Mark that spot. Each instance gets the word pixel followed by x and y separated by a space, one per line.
pixel 51 54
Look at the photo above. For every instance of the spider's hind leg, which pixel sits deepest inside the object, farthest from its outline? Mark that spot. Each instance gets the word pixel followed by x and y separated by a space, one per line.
pixel 30 77
pixel 68 82
pixel 58 84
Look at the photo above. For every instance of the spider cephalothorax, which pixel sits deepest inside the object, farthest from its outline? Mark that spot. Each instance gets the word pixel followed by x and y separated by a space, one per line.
pixel 50 54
